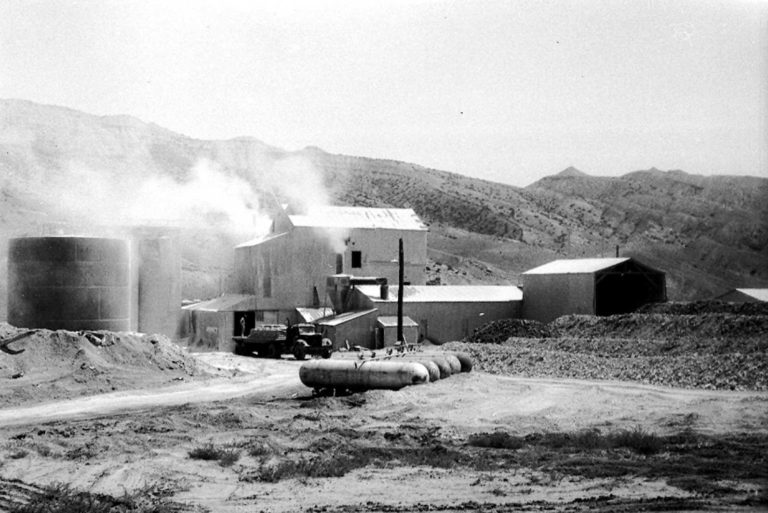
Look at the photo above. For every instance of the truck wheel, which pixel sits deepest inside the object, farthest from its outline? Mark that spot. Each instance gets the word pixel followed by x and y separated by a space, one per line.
pixel 240 350
pixel 326 353
pixel 299 351
pixel 270 351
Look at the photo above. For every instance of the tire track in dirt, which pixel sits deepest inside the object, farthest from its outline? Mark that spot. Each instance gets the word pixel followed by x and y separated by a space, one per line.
pixel 283 382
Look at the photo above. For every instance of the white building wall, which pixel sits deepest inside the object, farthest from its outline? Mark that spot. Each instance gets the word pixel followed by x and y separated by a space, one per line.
pixel 549 296
pixel 284 272
pixel 442 322
pixel 379 253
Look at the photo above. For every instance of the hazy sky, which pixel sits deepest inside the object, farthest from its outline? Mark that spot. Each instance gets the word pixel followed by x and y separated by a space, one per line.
pixel 508 91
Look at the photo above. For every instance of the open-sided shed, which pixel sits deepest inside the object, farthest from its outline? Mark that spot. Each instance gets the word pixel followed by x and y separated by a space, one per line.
pixel 597 286
pixel 745 296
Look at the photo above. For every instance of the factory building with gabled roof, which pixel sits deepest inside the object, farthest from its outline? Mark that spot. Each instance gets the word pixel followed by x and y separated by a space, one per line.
pixel 593 286
pixel 288 268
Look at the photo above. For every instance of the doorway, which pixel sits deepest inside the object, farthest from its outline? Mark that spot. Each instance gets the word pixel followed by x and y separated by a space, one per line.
pixel 244 323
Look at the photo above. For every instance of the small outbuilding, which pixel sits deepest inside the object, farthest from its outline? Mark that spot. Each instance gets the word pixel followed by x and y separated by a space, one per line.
pixel 745 296
pixel 211 324
pixel 351 329
pixel 386 331
pixel 592 286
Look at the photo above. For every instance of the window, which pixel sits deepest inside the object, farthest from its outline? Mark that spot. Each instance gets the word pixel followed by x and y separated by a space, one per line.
pixel 357 259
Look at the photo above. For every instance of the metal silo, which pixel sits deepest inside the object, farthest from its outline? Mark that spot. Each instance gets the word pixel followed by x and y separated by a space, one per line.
pixel 159 285
pixel 73 283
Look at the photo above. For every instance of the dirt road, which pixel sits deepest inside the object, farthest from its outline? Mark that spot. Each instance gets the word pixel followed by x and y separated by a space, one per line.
pixel 468 402
pixel 259 378
pixel 292 452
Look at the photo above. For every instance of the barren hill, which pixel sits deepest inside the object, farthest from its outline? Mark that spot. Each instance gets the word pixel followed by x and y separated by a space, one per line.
pixel 59 165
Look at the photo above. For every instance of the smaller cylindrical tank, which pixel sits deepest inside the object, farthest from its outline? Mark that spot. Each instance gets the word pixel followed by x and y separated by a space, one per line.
pixel 362 374
pixel 442 364
pixel 464 359
pixel 159 285
pixel 453 362
pixel 426 361
pixel 432 368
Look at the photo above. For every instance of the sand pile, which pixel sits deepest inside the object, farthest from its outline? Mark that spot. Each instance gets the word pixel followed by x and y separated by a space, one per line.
pixel 63 364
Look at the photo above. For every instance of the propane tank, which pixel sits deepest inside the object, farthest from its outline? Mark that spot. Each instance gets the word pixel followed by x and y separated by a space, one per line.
pixel 432 368
pixel 362 374
pixel 464 359
pixel 454 363
pixel 442 364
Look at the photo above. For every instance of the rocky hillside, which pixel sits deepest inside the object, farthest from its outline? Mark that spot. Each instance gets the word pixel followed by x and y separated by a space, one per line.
pixel 708 233
pixel 60 167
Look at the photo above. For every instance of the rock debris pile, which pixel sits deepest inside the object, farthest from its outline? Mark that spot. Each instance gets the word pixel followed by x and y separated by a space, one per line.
pixel 713 349
pixel 64 364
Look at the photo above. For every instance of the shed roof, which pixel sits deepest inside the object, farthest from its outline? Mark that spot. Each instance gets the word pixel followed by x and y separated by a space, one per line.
pixel 360 217
pixel 389 321
pixel 346 317
pixel 225 303
pixel 314 314
pixel 446 293
pixel 577 266
pixel 260 240
pixel 759 294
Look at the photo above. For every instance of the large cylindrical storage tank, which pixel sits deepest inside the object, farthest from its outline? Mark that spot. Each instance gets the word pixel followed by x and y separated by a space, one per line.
pixel 159 282
pixel 72 283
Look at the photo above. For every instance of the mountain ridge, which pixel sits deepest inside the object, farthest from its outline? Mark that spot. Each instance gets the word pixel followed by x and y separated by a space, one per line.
pixel 709 233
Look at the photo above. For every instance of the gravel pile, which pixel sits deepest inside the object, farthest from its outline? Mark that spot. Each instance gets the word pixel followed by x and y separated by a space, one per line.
pixel 704 307
pixel 747 329
pixel 497 332
pixel 711 350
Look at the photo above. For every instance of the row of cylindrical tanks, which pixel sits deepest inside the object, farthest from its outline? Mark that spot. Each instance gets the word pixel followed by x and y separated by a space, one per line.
pixel 96 283
pixel 390 372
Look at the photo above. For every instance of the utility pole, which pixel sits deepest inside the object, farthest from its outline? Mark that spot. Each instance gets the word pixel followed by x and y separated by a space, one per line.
pixel 401 263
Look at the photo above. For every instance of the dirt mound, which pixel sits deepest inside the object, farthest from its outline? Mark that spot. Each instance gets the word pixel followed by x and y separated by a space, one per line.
pixel 704 307
pixel 708 350
pixel 63 364
pixel 497 332
pixel 745 328
pixel 585 359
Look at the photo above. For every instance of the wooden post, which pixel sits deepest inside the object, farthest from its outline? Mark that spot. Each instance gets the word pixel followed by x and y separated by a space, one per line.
pixel 401 263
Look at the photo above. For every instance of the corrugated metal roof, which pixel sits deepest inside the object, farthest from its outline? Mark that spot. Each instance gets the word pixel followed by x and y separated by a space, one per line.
pixel 360 217
pixel 388 321
pixel 314 314
pixel 260 240
pixel 759 294
pixel 447 293
pixel 577 266
pixel 225 303
pixel 345 317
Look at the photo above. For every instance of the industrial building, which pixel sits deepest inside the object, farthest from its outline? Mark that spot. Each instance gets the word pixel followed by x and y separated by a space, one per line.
pixel 339 268
pixel 744 296
pixel 213 323
pixel 288 268
pixel 443 313
pixel 593 286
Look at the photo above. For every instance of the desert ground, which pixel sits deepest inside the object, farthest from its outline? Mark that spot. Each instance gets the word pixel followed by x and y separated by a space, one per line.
pixel 129 422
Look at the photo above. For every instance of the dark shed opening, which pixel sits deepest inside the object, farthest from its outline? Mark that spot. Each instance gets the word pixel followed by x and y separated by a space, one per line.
pixel 625 287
